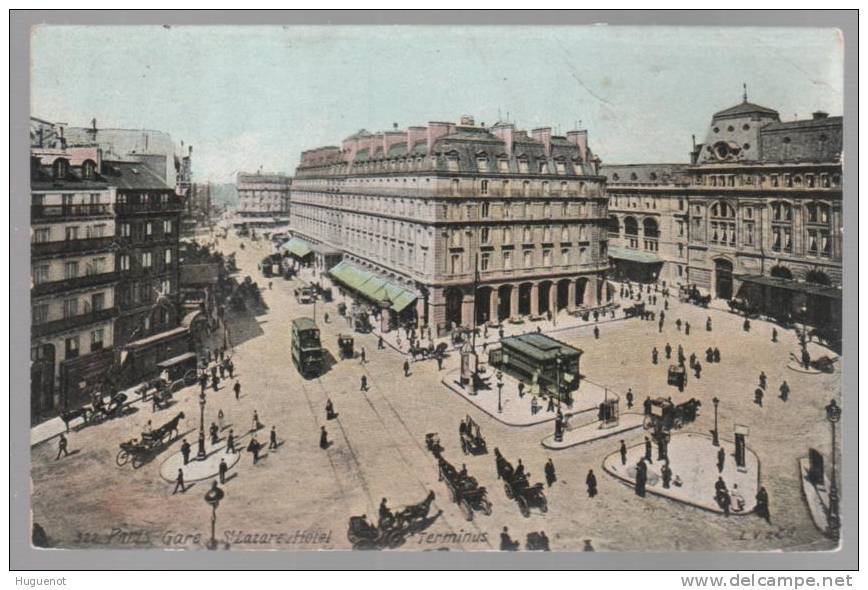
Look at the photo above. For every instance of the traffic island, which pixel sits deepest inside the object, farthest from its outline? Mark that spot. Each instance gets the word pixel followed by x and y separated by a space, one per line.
pixel 518 410
pixel 594 431
pixel 197 470
pixel 693 461
pixel 816 496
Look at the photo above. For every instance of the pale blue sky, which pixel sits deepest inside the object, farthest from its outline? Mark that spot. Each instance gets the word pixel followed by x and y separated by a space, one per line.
pixel 251 96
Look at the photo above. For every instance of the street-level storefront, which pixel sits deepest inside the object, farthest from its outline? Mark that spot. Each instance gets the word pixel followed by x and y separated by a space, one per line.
pixel 300 250
pixel 394 302
pixel 634 265
pixel 82 376
pixel 140 358
pixel 795 302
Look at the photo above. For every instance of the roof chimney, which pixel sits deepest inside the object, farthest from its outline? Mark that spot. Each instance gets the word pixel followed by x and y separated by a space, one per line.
pixel 820 115
pixel 466 120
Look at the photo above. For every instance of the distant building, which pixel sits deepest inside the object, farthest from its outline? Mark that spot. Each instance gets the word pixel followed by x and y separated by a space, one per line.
pixel 756 214
pixel 73 275
pixel 418 211
pixel 197 209
pixel 262 195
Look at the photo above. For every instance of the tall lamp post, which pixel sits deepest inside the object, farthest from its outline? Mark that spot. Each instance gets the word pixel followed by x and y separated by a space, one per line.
pixel 201 452
pixel 212 498
pixel 803 337
pixel 715 440
pixel 499 391
pixel 558 362
pixel 833 415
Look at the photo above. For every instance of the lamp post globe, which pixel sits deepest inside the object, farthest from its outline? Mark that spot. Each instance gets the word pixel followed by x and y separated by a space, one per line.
pixel 212 498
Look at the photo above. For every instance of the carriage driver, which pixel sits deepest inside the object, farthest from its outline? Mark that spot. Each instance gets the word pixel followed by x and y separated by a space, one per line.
pixel 385 513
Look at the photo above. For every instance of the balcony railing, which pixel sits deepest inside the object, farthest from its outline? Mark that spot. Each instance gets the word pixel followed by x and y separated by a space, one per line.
pixel 64 211
pixel 70 323
pixel 40 249
pixel 153 207
pixel 81 282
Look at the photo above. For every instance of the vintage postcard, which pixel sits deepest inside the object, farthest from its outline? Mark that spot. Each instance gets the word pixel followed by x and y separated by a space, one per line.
pixel 417 288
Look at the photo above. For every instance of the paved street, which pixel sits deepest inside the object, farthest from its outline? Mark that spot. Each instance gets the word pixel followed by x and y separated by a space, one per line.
pixel 379 448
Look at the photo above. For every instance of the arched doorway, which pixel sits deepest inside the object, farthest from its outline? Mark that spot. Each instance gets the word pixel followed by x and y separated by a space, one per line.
pixel 524 291
pixel 563 300
pixel 483 305
pixel 454 300
pixel 581 286
pixel 723 278
pixel 504 302
pixel 545 288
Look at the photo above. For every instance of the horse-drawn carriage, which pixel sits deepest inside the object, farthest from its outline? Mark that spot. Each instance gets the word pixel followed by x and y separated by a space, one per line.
pixel 419 352
pixel 345 344
pixel 677 376
pixel 151 443
pixel 692 295
pixel 464 490
pixel 666 415
pixel 472 442
pixel 391 532
pixel 516 486
pixel 432 442
pixel 633 311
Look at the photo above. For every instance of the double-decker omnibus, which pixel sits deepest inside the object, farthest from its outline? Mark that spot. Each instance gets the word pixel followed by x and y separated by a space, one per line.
pixel 307 351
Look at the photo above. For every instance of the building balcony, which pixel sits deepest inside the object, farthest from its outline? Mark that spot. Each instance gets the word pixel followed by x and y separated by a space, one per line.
pixel 45 249
pixel 170 206
pixel 62 212
pixel 73 322
pixel 82 282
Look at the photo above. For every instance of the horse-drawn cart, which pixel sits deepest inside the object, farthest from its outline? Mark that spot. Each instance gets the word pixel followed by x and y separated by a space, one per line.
pixel 464 490
pixel 472 442
pixel 677 376
pixel 516 486
pixel 391 532
pixel 139 451
pixel 666 415
pixel 345 344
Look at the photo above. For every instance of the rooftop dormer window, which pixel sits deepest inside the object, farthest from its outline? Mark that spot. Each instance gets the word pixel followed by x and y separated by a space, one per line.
pixel 60 168
pixel 88 169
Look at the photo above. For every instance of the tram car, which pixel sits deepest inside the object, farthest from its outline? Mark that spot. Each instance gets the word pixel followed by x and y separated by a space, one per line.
pixel 307 351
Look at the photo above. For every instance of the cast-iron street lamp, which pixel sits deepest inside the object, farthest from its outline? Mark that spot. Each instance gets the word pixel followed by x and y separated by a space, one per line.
pixel 499 390
pixel 833 415
pixel 803 337
pixel 212 498
pixel 558 361
pixel 714 435
pixel 201 453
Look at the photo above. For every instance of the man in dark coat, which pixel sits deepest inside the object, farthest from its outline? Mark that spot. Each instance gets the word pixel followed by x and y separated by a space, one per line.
pixel 591 481
pixel 687 328
pixel 406 368
pixel 237 388
pixel 762 505
pixel 254 446
pixel 708 324
pixel 709 355
pixel 364 383
pixel 222 470
pixel 646 405
pixel 648 449
pixel 623 450
pixel 215 382
pixel 230 366
pixel 721 459
pixel 654 355
pixel 61 447
pixel 214 430
pixel 641 478
pixel 668 350
pixel 203 381
pixel 697 369
pixel 550 472
pixel 666 474
pixel 629 397
pixel 716 354
pixel 506 542
pixel 230 442
pixel 746 325
pixel 763 380
pixel 179 482
pixel 330 410
pixel 185 451
pixel 272 438
pixel 678 324
pixel 785 391
pixel 774 334
pixel 323 438
pixel 596 333
pixel 758 397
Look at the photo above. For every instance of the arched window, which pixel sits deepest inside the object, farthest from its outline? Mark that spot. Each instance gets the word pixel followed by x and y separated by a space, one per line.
pixel 781 272
pixel 88 169
pixel 650 234
pixel 818 229
pixel 614 226
pixel 60 168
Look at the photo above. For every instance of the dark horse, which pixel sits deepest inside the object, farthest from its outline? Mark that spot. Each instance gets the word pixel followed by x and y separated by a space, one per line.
pixel 84 413
pixel 170 428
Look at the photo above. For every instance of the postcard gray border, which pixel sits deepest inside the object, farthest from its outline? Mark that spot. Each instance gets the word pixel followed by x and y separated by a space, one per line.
pixel 23 557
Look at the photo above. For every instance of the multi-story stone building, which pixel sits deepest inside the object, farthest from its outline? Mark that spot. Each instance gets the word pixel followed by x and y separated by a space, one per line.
pixel 262 195
pixel 197 209
pixel 760 204
pixel 417 212
pixel 73 275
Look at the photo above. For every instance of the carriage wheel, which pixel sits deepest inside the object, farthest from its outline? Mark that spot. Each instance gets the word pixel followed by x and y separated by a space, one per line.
pixel 648 423
pixel 508 490
pixel 544 504
pixel 122 458
pixel 395 539
pixel 522 505
pixel 138 461
pixel 467 509
pixel 678 422
pixel 486 507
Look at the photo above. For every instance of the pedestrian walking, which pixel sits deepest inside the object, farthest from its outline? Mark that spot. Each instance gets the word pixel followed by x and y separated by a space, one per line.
pixel 716 353
pixel 654 355
pixel 220 419
pixel 762 505
pixel 641 477
pixel 646 406
pixel 758 397
pixel 697 369
pixel 660 324
pixel 439 362
pixel 549 469
pixel 774 334
pixel 785 391
pixel 668 350
pixel 364 383
pixel 380 344
pixel 623 450
pixel 762 379
pixel 648 449
pixel 692 359
pixel 256 423
pixel 678 324
pixel 362 356
pixel 746 325
pixel 214 431
pixel 237 388
pixel 230 366
pixel 687 328
pixel 272 439
pixel 591 482
pixel 330 410
pixel 666 474
pixel 185 451
pixel 62 447
pixel 666 304
pixel 506 542
pixel 406 368
pixel 323 438
pixel 596 332
pixel 215 382
pixel 222 371
pixel 222 469
pixel 708 324
pixel 629 397
pixel 179 482
pixel 230 442
pixel 721 459
pixel 254 446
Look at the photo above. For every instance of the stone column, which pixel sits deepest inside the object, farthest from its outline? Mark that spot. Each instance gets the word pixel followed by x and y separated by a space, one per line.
pixel 591 292
pixel 534 299
pixel 420 311
pixel 493 304
pixel 513 301
pixel 553 299
pixel 571 296
pixel 605 292
pixel 467 311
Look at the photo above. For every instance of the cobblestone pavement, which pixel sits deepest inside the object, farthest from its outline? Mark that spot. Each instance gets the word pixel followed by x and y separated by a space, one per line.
pixel 301 497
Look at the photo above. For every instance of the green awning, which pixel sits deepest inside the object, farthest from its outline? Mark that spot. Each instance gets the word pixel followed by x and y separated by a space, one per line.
pixel 297 247
pixel 633 255
pixel 372 287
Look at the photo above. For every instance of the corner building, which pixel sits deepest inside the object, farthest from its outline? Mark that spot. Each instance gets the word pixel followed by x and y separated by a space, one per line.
pixel 421 209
